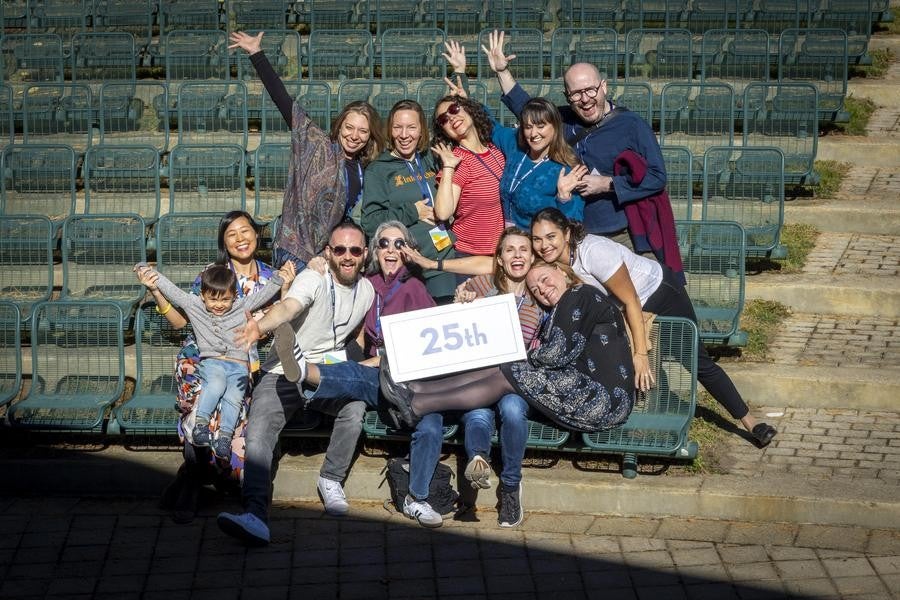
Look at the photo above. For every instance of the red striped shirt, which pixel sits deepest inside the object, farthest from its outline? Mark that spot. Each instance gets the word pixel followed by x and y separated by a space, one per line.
pixel 479 214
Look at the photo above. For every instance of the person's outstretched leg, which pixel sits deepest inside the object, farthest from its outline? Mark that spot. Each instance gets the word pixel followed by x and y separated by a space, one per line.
pixel 439 395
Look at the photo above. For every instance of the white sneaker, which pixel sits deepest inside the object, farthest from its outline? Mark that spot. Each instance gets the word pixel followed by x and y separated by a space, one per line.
pixel 422 512
pixel 478 473
pixel 332 494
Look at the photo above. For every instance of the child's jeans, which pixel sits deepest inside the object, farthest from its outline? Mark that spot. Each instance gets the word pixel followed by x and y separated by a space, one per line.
pixel 227 380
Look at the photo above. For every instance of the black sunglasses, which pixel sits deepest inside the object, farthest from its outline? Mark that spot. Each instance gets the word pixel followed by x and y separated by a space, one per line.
pixel 385 242
pixel 443 118
pixel 342 250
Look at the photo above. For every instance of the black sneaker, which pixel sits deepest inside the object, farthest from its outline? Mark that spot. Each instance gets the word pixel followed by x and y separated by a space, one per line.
pixel 511 511
pixel 222 447
pixel 201 436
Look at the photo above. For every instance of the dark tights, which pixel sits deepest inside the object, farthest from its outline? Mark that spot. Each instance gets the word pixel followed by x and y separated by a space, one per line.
pixel 461 391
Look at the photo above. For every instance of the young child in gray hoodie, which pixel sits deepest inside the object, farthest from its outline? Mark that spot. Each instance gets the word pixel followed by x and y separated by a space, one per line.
pixel 224 369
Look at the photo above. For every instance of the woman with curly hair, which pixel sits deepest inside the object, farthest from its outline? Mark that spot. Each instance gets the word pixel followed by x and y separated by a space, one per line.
pixel 469 188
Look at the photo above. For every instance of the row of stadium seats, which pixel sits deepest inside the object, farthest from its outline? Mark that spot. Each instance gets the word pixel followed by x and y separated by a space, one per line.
pixel 459 17
pixel 79 368
pixel 99 250
pixel 410 54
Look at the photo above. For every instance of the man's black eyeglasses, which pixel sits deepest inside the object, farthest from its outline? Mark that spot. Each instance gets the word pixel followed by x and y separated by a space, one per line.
pixel 342 250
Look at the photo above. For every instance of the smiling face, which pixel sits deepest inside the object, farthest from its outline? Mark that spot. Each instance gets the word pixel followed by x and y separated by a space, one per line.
pixel 406 131
pixel 538 136
pixel 390 259
pixel 547 284
pixel 217 304
pixel 339 253
pixel 515 257
pixel 581 80
pixel 550 242
pixel 240 240
pixel 354 133
pixel 456 125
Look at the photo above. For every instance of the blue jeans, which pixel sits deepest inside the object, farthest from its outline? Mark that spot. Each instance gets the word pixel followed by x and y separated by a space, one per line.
pixel 224 380
pixel 479 424
pixel 281 256
pixel 344 392
pixel 424 452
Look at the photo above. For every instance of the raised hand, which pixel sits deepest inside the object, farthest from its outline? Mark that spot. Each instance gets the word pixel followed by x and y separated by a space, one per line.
pixel 287 272
pixel 455 89
pixel 568 182
pixel 426 212
pixel 318 264
pixel 497 60
pixel 414 256
pixel 249 334
pixel 148 277
pixel 463 293
pixel 445 153
pixel 250 43
pixel 455 56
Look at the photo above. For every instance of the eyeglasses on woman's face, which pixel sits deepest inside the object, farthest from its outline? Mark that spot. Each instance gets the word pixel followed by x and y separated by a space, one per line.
pixel 385 243
pixel 444 118
pixel 356 251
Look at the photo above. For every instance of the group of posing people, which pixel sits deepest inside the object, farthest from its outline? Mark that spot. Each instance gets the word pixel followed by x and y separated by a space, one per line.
pixel 567 212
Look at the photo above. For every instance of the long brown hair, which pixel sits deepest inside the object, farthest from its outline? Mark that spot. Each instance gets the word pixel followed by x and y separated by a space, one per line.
pixel 424 139
pixel 501 281
pixel 537 111
pixel 375 144
pixel 575 229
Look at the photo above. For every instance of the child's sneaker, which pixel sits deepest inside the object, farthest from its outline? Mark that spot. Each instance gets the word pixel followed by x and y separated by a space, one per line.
pixel 201 435
pixel 222 447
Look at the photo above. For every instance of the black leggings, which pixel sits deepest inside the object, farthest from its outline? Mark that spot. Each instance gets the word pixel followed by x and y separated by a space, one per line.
pixel 671 300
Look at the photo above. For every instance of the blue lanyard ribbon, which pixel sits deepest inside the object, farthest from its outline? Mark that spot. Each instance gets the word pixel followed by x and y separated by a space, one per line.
pixel 419 175
pixel 352 205
pixel 516 181
pixel 334 323
pixel 481 160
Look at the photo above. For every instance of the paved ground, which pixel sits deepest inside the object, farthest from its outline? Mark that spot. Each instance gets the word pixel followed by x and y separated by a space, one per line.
pixel 71 548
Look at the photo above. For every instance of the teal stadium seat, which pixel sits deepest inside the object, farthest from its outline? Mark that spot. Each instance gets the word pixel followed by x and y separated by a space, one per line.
pixel 207 178
pixel 212 113
pixel 185 243
pixel 737 57
pixel 151 408
pixel 636 96
pixel 411 54
pixel 270 174
pixel 30 58
pixel 526 44
pixel 380 93
pixel 459 18
pixel 518 14
pixel 339 54
pixel 126 16
pixel 38 179
pixel 98 254
pixel 334 14
pixel 282 48
pixel 59 113
pixel 77 364
pixel 854 17
pixel 102 57
pixel 819 57
pixel 786 116
pixel 10 352
pixel 402 14
pixel 679 180
pixel 254 15
pixel 175 15
pixel 598 46
pixel 15 15
pixel 7 124
pixel 704 15
pixel 196 54
pixel 26 261
pixel 659 423
pixel 659 55
pixel 713 254
pixel 62 17
pixel 122 179
pixel 774 16
pixel 135 113
pixel 696 116
pixel 621 15
pixel 746 185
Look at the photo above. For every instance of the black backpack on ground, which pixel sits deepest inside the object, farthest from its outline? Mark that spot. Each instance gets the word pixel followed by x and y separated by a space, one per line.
pixel 441 495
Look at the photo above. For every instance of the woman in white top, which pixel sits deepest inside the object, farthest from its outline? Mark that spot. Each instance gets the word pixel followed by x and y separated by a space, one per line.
pixel 616 270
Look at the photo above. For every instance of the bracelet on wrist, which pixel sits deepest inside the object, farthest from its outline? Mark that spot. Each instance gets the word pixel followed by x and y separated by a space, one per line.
pixel 641 353
pixel 440 264
pixel 452 168
pixel 166 310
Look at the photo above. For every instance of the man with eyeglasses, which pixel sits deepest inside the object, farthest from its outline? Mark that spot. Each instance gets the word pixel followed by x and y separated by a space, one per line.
pixel 599 132
pixel 318 314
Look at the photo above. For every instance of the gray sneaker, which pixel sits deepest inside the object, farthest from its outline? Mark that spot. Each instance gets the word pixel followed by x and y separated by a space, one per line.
pixel 511 510
pixel 422 512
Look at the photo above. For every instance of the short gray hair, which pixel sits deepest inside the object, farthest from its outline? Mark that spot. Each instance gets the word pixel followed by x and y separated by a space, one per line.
pixel 374 267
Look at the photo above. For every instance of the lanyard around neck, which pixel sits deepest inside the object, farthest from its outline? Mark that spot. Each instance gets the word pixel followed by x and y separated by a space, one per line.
pixel 481 160
pixel 334 323
pixel 352 205
pixel 516 181
pixel 418 173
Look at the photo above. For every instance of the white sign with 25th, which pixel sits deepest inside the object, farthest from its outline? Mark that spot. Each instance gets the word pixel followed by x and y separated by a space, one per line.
pixel 456 337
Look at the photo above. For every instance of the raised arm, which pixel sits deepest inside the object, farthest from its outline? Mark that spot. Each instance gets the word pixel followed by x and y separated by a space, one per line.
pixel 149 278
pixel 269 291
pixel 169 290
pixel 447 196
pixel 273 83
pixel 498 61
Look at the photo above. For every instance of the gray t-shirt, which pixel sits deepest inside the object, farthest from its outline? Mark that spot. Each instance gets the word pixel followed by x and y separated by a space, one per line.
pixel 331 314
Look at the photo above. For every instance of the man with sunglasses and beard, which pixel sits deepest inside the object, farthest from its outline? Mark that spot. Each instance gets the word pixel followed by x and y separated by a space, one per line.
pixel 319 314
pixel 602 135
